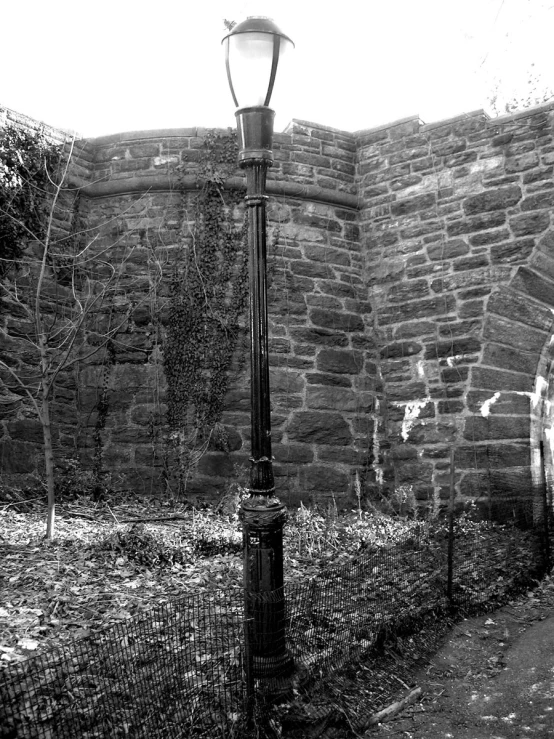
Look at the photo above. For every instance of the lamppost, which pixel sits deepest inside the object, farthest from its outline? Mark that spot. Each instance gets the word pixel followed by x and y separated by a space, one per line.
pixel 253 50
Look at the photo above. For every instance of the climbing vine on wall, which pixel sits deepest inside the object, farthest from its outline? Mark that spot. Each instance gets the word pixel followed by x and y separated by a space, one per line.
pixel 209 291
pixel 26 161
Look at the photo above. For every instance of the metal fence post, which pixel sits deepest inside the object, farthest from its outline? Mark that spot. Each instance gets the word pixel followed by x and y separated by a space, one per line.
pixel 450 573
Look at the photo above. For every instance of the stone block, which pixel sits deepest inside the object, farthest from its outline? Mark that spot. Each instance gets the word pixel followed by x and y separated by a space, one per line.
pixel 406 392
pixel 339 289
pixel 409 290
pixel 540 200
pixel 311 269
pixel 401 183
pixel 433 433
pixel 546 244
pixel 279 346
pixel 454 375
pixel 453 347
pixel 18 457
pixel 283 381
pixel 319 336
pixel 502 139
pixel 312 427
pixel 478 428
pixel 327 255
pixel 116 457
pixel 342 455
pixel 292 453
pixel 489 237
pixel 415 329
pixel 400 349
pixel 143 150
pixel 320 378
pixel 471 279
pixel 404 452
pixel 216 464
pixel 504 403
pixel 492 456
pixel 516 306
pixel 529 223
pixel 148 413
pixel 339 361
pixel 449 147
pixel 537 175
pixel 481 222
pixel 447 250
pixel 474 262
pixel 497 380
pixel 336 321
pixel 320 478
pixel 413 205
pixel 130 435
pixel 471 309
pixel 450 406
pixel 522 163
pixel 534 285
pixel 27 430
pixel 493 199
pixel 512 252
pixel 337 398
pixel 504 357
pixel 415 309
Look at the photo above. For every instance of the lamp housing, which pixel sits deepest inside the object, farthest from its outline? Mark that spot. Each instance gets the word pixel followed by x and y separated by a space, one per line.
pixel 253 50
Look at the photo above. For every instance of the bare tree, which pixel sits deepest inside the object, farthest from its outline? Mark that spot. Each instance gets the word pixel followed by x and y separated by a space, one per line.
pixel 61 281
pixel 534 91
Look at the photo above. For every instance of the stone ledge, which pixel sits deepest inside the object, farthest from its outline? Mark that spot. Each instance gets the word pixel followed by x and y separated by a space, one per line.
pixel 163 182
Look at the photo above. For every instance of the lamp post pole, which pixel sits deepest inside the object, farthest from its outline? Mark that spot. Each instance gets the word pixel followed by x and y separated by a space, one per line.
pixel 262 514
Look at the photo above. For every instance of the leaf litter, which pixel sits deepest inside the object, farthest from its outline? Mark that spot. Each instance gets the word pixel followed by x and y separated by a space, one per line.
pixel 111 566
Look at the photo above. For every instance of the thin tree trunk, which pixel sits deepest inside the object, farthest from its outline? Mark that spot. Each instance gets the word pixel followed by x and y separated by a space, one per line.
pixel 48 463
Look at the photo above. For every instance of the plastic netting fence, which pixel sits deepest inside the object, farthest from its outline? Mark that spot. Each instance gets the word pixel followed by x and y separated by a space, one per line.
pixel 183 671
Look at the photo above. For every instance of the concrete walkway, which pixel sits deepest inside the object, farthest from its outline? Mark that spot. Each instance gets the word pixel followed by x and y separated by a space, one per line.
pixel 493 678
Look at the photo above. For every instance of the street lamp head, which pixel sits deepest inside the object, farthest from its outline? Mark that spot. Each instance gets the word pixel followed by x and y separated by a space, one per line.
pixel 253 50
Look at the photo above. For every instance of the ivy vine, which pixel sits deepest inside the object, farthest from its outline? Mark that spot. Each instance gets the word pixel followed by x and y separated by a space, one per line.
pixel 102 410
pixel 209 290
pixel 26 160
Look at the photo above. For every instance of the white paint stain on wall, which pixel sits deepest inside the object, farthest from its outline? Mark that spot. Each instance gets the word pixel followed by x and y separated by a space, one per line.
pixel 541 386
pixel 535 397
pixel 486 405
pixel 379 476
pixel 411 413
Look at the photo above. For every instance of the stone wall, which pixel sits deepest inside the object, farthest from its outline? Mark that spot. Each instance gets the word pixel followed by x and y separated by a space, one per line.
pixel 457 231
pixel 411 303
pixel 322 381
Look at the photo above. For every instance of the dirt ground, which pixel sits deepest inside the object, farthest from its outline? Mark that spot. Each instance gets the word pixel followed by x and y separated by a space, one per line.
pixel 493 678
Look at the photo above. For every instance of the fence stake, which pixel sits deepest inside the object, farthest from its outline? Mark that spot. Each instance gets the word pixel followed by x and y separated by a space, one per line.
pixel 451 529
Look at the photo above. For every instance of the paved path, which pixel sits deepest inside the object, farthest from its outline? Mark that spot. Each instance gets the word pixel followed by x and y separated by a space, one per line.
pixel 493 678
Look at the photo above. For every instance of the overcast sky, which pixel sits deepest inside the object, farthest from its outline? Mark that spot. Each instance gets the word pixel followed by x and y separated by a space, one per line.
pixel 115 65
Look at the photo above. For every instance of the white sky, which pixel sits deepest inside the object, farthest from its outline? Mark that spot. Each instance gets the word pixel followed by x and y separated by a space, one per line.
pixel 109 66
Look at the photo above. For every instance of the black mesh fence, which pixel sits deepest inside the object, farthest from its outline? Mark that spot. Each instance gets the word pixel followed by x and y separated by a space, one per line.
pixel 177 673
pixel 343 643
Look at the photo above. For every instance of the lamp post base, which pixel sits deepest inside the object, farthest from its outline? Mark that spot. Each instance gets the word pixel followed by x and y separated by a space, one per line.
pixel 263 518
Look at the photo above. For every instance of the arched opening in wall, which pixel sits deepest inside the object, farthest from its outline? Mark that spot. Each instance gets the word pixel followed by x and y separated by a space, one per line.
pixel 542 434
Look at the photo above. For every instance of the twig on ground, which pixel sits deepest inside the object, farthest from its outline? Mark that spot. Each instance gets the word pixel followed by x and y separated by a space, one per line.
pixel 386 713
pixel 20 502
pixel 113 514
pixel 149 520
